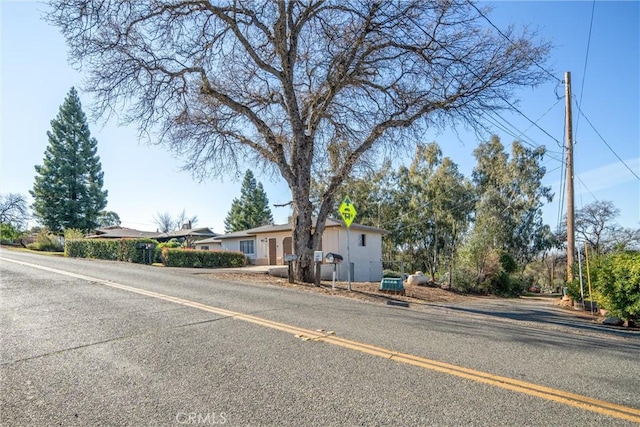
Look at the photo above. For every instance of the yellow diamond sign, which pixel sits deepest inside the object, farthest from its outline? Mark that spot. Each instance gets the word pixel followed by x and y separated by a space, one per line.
pixel 347 211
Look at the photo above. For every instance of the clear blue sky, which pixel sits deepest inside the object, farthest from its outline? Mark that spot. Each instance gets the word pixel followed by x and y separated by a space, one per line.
pixel 144 180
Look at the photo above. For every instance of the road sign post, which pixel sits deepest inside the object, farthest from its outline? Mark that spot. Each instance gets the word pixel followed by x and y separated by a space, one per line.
pixel 348 213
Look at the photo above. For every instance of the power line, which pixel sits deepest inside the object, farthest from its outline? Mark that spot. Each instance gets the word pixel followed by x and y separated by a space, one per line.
pixel 532 59
pixel 562 192
pixel 584 71
pixel 476 75
pixel 531 121
pixel 520 135
pixel 510 41
pixel 607 144
pixel 594 198
pixel 544 114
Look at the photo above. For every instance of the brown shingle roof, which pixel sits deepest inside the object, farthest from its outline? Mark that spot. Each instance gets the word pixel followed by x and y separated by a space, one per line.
pixel 116 232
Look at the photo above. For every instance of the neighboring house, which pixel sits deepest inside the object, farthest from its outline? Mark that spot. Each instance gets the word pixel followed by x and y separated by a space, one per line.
pixel 117 232
pixel 210 244
pixel 268 245
pixel 189 235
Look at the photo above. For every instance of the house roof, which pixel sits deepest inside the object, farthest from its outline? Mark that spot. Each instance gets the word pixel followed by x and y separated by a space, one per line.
pixel 332 222
pixel 189 232
pixel 209 240
pixel 276 228
pixel 235 235
pixel 117 232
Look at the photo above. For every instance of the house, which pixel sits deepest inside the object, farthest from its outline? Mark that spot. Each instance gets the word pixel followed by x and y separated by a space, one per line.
pixel 210 244
pixel 117 232
pixel 190 235
pixel 268 245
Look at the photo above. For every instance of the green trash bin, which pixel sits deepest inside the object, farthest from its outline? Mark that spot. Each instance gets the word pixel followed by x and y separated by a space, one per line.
pixel 392 284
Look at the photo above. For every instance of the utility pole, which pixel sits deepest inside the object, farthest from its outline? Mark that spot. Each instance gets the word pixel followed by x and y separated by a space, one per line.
pixel 569 178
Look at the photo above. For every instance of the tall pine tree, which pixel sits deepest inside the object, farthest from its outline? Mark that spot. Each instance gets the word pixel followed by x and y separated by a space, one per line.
pixel 251 210
pixel 68 186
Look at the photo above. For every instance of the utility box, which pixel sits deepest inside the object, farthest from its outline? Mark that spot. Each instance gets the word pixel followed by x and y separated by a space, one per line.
pixel 334 258
pixel 389 284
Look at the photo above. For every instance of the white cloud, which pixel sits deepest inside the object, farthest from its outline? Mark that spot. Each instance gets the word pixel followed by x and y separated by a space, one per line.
pixel 607 176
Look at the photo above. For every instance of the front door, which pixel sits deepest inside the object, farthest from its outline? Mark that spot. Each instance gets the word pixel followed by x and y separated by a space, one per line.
pixel 286 246
pixel 272 252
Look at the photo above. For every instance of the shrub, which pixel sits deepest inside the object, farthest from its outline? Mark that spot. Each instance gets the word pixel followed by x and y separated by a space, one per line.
pixel 9 234
pixel 616 280
pixel 391 273
pixel 573 290
pixel 201 259
pixel 128 250
pixel 489 274
pixel 73 233
pixel 171 244
pixel 47 242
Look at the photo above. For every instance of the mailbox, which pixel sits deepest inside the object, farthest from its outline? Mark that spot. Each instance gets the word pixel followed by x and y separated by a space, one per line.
pixel 334 258
pixel 290 257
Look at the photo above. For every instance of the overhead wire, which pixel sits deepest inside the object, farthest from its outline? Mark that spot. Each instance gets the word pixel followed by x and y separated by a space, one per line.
pixel 607 144
pixel 579 102
pixel 562 193
pixel 531 121
pixel 584 70
pixel 475 75
pixel 594 197
pixel 558 80
pixel 493 120
pixel 509 40
pixel 521 137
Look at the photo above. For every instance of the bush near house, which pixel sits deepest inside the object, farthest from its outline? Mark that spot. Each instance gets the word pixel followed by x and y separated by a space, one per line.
pixel 615 279
pixel 46 242
pixel 128 250
pixel 201 259
pixel 171 244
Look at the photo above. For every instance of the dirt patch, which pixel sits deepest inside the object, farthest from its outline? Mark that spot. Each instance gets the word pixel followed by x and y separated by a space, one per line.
pixel 365 291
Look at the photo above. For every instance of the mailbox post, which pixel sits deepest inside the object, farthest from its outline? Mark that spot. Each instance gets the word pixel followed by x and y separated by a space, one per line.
pixel 289 258
pixel 334 259
pixel 317 258
pixel 147 252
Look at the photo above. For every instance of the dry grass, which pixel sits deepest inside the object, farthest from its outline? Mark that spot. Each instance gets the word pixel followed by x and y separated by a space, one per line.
pixel 366 291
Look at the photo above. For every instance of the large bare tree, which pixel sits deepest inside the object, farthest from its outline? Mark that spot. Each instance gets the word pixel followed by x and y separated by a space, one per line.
pixel 291 84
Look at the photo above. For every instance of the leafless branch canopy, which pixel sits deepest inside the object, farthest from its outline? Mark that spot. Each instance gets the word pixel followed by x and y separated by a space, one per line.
pixel 285 82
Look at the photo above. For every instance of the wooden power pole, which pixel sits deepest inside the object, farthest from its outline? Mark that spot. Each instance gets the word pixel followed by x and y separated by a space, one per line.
pixel 569 178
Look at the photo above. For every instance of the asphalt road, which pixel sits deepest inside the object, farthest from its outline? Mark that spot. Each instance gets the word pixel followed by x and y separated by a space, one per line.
pixel 126 344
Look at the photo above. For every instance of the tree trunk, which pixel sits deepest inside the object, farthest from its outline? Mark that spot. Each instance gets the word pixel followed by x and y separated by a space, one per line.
pixel 307 235
pixel 302 238
pixel 302 212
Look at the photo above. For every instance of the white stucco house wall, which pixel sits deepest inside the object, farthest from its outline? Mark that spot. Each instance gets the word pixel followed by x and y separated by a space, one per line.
pixel 268 245
pixel 210 244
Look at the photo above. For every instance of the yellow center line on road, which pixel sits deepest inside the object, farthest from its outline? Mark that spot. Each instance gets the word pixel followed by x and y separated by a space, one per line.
pixel 556 395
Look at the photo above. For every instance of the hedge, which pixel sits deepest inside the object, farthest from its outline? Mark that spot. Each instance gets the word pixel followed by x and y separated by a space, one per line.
pixel 128 250
pixel 616 284
pixel 201 259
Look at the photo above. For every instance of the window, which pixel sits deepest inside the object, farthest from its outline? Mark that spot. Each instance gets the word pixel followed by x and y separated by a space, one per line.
pixel 204 248
pixel 362 240
pixel 246 247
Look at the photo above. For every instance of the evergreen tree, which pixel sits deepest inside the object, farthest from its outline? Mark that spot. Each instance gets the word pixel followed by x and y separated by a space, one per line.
pixel 68 186
pixel 509 200
pixel 251 210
